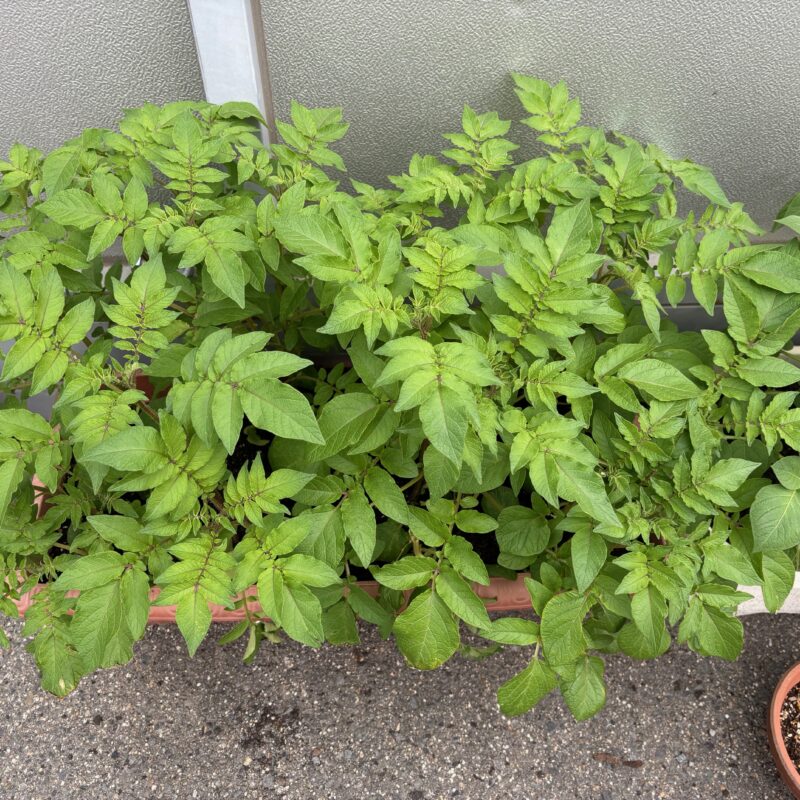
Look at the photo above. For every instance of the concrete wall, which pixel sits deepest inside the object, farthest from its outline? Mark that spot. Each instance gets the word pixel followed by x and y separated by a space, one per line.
pixel 712 79
pixel 70 64
pixel 716 80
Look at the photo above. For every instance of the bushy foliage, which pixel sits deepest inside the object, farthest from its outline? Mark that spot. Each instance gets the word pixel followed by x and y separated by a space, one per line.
pixel 265 377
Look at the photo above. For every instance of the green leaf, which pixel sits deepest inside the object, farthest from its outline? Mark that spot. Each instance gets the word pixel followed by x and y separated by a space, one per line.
pixel 583 687
pixel 239 109
pixel 775 518
pixel 270 588
pixel 792 221
pixel 686 251
pixel 721 596
pixel 386 494
pixel 25 425
pixel 103 236
pixel 699 180
pixel 89 572
pixel 728 562
pixel 471 521
pixel 778 576
pixel 465 560
pixel 49 370
pixel 407 573
pixel 136 448
pixel 339 624
pixel 441 474
pixel 522 692
pixel 289 534
pixel 106 192
pixel 200 576
pixel 676 289
pixel 729 474
pixel 310 234
pixel 123 532
pixel 649 610
pixel 283 482
pixel 426 632
pixel 24 354
pixel 16 292
pixel 562 628
pixel 252 494
pixel 777 269
pixel 769 371
pixel 52 648
pixel 741 313
pixel 135 589
pixel 659 379
pixel 226 270
pixel 73 207
pixel 58 170
pixel 49 300
pixel 787 471
pixel 193 617
pixel 300 614
pixel 705 289
pixel 585 487
pixel 369 609
pixel 460 598
pixel 444 421
pixel 589 554
pixel 100 629
pixel 343 421
pixel 134 200
pixel 719 634
pixel 358 520
pixel 227 414
pixel 280 409
pixel 11 475
pixel 522 531
pixel 512 630
pixel 325 540
pixel 309 571
pixel 568 234
pixel 76 323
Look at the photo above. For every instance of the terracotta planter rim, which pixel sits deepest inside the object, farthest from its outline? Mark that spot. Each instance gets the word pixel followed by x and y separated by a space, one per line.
pixel 786 767
pixel 508 596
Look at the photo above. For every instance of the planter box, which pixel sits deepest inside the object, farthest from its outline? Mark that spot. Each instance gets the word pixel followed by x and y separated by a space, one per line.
pixel 502 595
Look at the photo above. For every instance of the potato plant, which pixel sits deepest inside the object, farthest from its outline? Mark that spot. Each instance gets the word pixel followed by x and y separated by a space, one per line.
pixel 265 374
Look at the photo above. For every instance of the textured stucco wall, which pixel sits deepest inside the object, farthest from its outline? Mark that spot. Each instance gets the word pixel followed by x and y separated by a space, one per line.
pixel 716 80
pixel 67 64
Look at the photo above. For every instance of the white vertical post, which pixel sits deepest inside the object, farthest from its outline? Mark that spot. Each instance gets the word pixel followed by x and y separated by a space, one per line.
pixel 230 48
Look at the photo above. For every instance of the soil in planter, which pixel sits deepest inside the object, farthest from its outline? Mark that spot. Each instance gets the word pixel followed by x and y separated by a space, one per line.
pixel 360 573
pixel 245 453
pixel 790 725
pixel 485 545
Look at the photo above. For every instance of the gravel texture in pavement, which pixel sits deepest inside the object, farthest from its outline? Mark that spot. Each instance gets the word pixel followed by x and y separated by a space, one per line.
pixel 356 724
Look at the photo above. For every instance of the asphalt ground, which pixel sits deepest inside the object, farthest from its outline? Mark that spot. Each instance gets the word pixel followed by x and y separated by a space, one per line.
pixel 356 723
